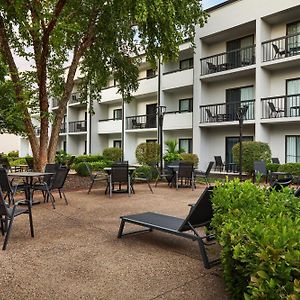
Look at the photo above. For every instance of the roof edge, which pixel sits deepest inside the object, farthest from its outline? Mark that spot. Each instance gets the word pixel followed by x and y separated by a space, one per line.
pixel 220 5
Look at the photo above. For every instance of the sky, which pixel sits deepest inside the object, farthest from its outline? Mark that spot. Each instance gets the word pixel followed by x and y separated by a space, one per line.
pixel 210 3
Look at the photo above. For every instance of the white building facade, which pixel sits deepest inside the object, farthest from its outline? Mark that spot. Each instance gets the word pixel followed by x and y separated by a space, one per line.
pixel 248 54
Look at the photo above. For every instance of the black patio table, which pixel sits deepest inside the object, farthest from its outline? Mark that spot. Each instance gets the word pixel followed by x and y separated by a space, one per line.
pixel 275 175
pixel 29 176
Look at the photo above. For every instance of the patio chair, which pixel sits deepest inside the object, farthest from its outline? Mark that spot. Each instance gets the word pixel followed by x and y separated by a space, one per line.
pixel 219 163
pixel 212 68
pixel 185 174
pixel 279 184
pixel 94 177
pixel 6 165
pixel 200 215
pixel 30 163
pixel 275 160
pixel 7 216
pixel 211 117
pixel 259 168
pixel 278 52
pixel 205 174
pixel 119 174
pixel 136 124
pixel 8 188
pixel 275 111
pixel 141 176
pixel 166 174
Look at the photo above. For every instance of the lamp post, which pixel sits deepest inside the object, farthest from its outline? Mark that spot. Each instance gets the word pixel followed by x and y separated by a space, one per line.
pixel 160 110
pixel 241 113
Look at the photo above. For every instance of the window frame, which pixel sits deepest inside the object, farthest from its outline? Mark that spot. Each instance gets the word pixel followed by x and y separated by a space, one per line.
pixel 190 109
pixel 117 142
pixel 190 144
pixel 190 63
pixel 115 114
pixel 297 150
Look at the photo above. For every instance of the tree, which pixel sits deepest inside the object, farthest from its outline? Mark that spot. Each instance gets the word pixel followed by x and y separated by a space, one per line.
pixel 99 37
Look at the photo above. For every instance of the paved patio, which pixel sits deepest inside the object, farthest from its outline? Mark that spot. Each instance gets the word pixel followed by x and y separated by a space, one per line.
pixel 76 255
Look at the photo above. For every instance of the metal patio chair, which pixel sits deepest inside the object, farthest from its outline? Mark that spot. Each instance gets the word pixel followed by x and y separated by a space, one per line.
pixel 279 184
pixel 6 165
pixel 30 163
pixel 279 52
pixel 7 216
pixel 275 111
pixel 200 215
pixel 141 176
pixel 275 160
pixel 98 176
pixel 185 174
pixel 259 168
pixel 119 175
pixel 205 174
pixel 219 163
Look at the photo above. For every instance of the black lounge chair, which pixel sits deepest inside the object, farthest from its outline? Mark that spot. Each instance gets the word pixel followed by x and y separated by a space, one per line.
pixel 200 215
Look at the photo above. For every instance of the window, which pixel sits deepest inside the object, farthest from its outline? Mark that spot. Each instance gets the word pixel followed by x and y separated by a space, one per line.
pixel 151 141
pixel 292 146
pixel 117 144
pixel 293 99
pixel 186 105
pixel 74 98
pixel 150 73
pixel 117 114
pixel 186 145
pixel 186 64
pixel 293 30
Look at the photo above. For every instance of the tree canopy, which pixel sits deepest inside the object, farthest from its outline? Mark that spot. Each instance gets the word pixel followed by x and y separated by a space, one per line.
pixel 99 37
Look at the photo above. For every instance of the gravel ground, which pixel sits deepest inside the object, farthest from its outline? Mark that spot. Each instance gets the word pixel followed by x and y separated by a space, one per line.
pixel 76 255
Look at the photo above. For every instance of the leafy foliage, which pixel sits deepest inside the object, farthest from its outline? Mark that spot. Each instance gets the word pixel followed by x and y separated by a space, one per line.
pixel 113 154
pixel 190 157
pixel 272 167
pixel 259 231
pixel 292 168
pixel 88 158
pixel 62 157
pixel 147 153
pixel 173 153
pixel 251 151
pixel 82 170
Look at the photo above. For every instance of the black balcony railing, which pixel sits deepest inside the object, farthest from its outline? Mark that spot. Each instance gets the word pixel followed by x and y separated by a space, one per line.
pixel 282 47
pixel 77 126
pixel 63 128
pixel 141 121
pixel 228 60
pixel 281 106
pixel 75 98
pixel 225 112
pixel 111 119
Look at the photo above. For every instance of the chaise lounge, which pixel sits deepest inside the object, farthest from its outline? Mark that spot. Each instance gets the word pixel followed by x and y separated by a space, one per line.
pixel 200 215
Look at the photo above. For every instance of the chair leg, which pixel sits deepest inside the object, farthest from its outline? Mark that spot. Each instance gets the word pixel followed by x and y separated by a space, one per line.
pixel 157 178
pixel 150 186
pixel 30 220
pixel 121 228
pixel 110 189
pixel 176 178
pixel 52 199
pixel 2 226
pixel 61 191
pixel 128 186
pixel 91 186
pixel 8 232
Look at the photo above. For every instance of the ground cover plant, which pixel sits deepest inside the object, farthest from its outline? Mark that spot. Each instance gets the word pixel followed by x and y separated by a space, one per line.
pixel 259 232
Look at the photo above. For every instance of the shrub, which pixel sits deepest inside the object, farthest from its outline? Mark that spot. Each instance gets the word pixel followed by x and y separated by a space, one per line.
pixel 190 157
pixel 113 154
pixel 147 153
pixel 272 167
pixel 99 165
pixel 292 168
pixel 18 162
pixel 146 171
pixel 62 157
pixel 259 231
pixel 13 154
pixel 88 158
pixel 81 169
pixel 251 151
pixel 172 154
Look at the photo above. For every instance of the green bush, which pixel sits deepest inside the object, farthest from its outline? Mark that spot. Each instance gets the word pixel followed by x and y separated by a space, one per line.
pixel 259 232
pixel 88 158
pixel 81 169
pixel 292 168
pixel 13 154
pixel 145 171
pixel 18 162
pixel 113 154
pixel 190 157
pixel 272 167
pixel 251 151
pixel 100 165
pixel 62 157
pixel 172 154
pixel 147 153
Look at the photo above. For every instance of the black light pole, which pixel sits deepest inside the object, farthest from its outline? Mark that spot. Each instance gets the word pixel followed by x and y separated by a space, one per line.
pixel 240 116
pixel 160 109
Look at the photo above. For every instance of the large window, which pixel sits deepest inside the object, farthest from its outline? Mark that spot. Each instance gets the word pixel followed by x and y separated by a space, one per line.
pixel 294 40
pixel 150 73
pixel 186 64
pixel 186 145
pixel 292 145
pixel 117 114
pixel 186 105
pixel 293 99
pixel 230 141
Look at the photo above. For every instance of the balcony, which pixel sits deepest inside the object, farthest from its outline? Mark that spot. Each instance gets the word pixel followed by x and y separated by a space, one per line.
pixel 147 86
pixel 277 108
pixel 63 128
pixel 77 126
pixel 225 112
pixel 177 79
pixel 141 122
pixel 109 126
pixel 228 60
pixel 283 47
pixel 175 120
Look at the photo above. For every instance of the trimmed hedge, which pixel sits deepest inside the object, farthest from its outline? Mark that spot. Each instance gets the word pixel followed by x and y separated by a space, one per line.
pixel 251 151
pixel 112 154
pixel 272 167
pixel 293 168
pixel 259 232
pixel 147 153
pixel 88 158
pixel 81 169
pixel 190 157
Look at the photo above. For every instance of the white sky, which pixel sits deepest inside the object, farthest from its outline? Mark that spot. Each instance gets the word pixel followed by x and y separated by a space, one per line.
pixel 210 3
